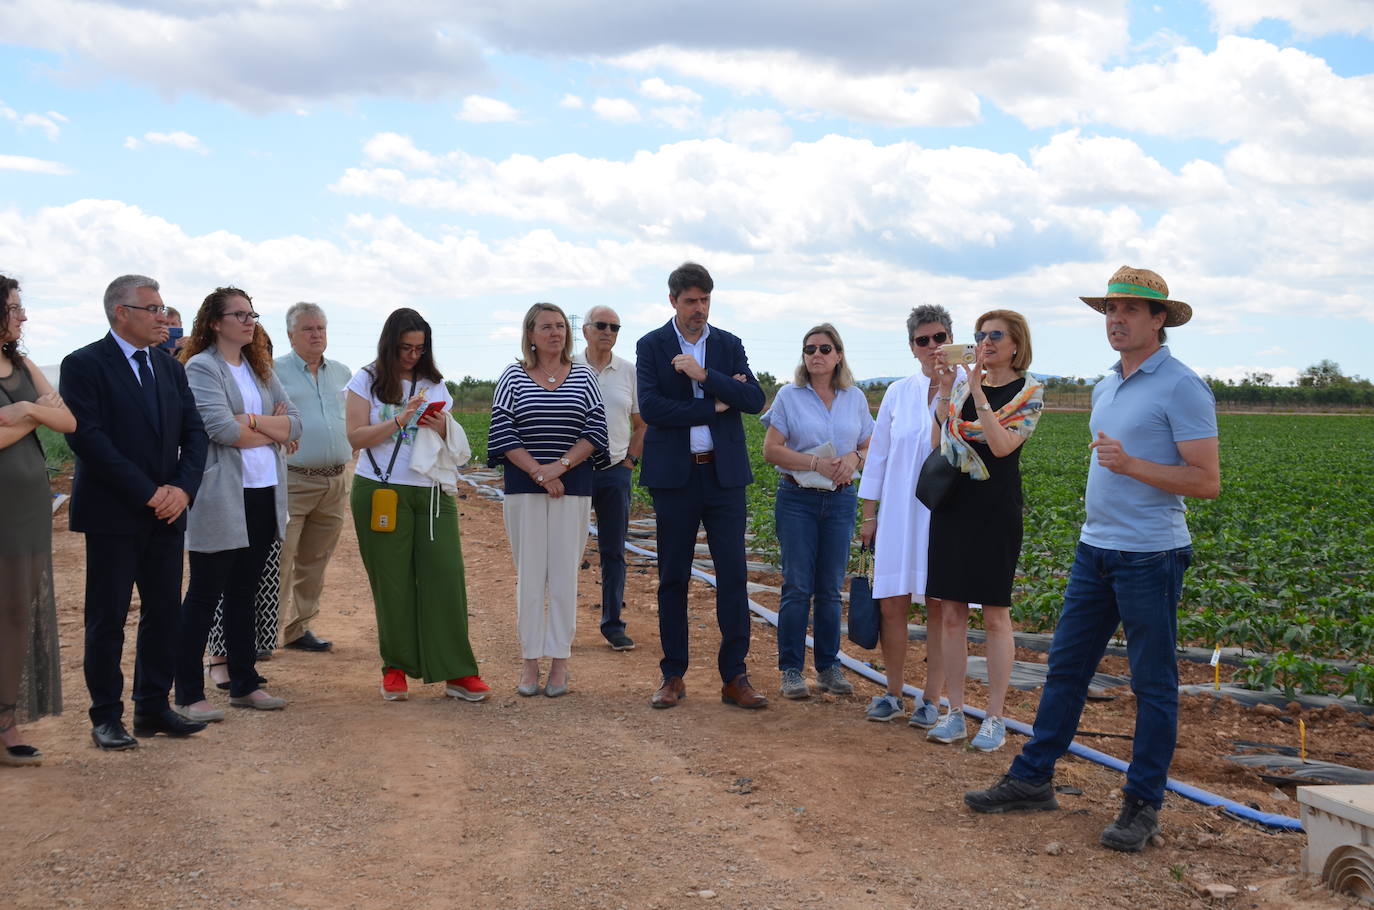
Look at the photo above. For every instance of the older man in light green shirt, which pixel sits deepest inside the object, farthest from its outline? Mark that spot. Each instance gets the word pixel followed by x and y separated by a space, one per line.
pixel 317 476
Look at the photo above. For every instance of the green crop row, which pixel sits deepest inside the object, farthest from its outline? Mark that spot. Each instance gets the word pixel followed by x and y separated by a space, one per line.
pixel 1284 559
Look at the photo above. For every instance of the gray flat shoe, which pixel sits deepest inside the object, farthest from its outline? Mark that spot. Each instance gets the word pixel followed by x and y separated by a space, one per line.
pixel 203 715
pixel 258 699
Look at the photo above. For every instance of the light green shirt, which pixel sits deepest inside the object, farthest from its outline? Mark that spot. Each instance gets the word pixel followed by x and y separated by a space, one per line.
pixel 324 440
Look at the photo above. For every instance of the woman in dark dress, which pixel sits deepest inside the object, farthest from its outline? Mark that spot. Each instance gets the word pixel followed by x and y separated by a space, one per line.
pixel 30 679
pixel 975 537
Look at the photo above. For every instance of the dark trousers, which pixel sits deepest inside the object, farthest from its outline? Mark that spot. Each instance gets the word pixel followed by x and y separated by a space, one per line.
pixel 680 511
pixel 115 563
pixel 611 503
pixel 233 575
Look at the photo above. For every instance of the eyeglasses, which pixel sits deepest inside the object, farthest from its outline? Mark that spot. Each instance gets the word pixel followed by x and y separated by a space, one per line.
pixel 245 317
pixel 155 308
pixel 411 348
pixel 994 336
pixel 809 349
pixel 938 338
pixel 15 308
pixel 603 326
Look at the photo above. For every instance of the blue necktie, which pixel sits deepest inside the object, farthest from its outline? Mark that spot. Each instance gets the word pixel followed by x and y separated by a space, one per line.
pixel 145 380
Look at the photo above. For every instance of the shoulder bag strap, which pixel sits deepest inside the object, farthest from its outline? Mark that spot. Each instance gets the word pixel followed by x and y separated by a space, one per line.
pixel 385 478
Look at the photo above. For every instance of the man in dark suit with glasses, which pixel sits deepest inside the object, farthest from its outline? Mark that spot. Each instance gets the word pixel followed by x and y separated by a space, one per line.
pixel 140 453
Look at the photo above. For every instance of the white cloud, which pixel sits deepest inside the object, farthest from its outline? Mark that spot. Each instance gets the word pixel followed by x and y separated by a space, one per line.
pixel 572 102
pixel 178 139
pixel 659 90
pixel 480 109
pixel 616 110
pixel 47 124
pixel 1308 17
pixel 393 148
pixel 32 165
pixel 899 99
pixel 763 128
pixel 679 116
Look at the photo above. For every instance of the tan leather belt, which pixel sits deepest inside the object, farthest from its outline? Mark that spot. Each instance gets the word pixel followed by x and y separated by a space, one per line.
pixel 331 471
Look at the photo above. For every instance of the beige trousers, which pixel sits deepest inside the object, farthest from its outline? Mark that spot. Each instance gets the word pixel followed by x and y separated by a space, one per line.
pixel 547 536
pixel 317 508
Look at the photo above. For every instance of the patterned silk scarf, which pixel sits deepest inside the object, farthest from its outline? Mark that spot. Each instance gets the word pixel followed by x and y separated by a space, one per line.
pixel 1018 415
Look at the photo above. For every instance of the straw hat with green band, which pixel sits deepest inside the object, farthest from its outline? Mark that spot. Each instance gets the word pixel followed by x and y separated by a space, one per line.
pixel 1142 284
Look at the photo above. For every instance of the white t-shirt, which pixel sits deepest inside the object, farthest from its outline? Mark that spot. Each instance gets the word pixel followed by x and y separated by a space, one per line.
pixel 381 412
pixel 259 462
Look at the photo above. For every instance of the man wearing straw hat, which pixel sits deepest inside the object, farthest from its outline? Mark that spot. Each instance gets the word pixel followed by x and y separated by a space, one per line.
pixel 1154 442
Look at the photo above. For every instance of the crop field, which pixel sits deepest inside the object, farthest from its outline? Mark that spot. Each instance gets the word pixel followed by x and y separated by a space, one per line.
pixel 1284 559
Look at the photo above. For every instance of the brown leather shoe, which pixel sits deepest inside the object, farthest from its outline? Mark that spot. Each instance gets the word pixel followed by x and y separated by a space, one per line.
pixel 741 693
pixel 672 691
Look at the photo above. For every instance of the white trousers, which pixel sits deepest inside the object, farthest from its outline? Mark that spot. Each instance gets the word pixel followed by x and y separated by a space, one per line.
pixel 547 536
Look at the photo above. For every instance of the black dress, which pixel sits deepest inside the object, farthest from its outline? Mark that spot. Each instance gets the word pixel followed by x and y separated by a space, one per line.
pixel 975 538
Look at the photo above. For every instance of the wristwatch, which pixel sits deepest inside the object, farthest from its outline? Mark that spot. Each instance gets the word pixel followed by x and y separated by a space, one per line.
pixel 539 478
pixel 564 462
pixel 985 407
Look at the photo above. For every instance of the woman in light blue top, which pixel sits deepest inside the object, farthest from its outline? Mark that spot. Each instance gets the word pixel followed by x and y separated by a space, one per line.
pixel 818 432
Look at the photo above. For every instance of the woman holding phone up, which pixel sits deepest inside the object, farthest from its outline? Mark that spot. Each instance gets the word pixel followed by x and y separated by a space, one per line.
pixel 975 536
pixel 408 526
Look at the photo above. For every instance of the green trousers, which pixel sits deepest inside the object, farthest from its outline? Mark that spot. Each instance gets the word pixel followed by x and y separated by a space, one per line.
pixel 418 587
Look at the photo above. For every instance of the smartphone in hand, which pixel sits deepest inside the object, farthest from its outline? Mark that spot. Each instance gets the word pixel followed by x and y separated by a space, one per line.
pixel 434 407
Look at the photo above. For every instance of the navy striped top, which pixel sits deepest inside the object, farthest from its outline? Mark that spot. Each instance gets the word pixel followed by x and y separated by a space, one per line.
pixel 547 423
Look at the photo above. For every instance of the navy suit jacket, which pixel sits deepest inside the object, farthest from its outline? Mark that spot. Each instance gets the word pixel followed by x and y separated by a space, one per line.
pixel 122 454
pixel 667 405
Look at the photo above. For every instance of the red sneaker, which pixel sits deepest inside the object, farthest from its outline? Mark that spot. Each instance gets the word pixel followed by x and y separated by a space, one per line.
pixel 469 688
pixel 394 686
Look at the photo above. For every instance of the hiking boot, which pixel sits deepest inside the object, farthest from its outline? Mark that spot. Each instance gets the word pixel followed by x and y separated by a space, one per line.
pixel 991 735
pixel 884 707
pixel 926 715
pixel 1133 828
pixel 794 685
pixel 1011 794
pixel 950 729
pixel 832 680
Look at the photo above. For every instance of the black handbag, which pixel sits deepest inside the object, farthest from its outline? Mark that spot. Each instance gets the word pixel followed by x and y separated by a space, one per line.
pixel 864 622
pixel 937 481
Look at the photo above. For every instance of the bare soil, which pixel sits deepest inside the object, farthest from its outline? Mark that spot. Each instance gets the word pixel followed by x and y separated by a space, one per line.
pixel 596 800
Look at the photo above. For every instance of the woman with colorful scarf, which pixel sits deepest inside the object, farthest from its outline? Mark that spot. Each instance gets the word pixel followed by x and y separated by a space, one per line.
pixel 975 536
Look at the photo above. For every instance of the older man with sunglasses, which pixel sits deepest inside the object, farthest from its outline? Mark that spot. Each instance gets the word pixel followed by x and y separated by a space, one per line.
pixel 611 487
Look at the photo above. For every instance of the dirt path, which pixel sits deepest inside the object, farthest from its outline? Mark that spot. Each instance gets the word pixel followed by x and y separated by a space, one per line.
pixel 593 800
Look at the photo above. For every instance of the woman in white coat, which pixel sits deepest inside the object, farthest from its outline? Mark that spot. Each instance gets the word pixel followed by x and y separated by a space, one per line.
pixel 896 524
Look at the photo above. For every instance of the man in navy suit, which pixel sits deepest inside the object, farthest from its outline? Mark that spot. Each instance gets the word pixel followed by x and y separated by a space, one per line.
pixel 694 380
pixel 140 453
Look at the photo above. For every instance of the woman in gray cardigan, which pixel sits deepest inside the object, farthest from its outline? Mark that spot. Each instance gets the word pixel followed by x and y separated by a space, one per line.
pixel 241 507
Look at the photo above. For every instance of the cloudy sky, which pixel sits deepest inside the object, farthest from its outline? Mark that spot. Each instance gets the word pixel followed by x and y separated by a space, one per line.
pixel 826 161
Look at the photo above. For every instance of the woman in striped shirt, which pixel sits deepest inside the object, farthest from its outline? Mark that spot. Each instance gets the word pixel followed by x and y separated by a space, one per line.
pixel 548 427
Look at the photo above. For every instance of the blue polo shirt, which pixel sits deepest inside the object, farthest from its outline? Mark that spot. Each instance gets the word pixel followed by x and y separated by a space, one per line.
pixel 1158 406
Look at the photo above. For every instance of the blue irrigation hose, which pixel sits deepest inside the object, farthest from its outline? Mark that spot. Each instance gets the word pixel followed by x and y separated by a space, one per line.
pixel 1188 791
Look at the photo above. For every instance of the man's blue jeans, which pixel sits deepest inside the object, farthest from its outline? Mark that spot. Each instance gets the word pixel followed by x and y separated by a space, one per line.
pixel 1139 591
pixel 611 503
pixel 814 531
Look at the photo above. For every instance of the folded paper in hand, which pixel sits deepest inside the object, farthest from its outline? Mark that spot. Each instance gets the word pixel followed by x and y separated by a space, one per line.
pixel 815 479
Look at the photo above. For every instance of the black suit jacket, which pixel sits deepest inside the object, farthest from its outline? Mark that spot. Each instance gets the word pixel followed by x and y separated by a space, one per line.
pixel 122 454
pixel 667 405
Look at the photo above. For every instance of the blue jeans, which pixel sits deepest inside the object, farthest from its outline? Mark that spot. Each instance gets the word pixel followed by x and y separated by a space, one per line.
pixel 1139 591
pixel 611 503
pixel 814 531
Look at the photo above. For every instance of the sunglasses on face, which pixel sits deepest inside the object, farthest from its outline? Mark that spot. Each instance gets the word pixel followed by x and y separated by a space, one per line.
pixel 938 338
pixel 994 336
pixel 603 326
pixel 810 349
